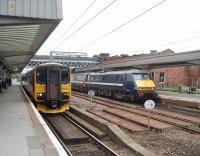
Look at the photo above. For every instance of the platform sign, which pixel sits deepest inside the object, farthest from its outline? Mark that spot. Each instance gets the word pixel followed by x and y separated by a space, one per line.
pixel 149 105
pixel 12 5
pixel 91 93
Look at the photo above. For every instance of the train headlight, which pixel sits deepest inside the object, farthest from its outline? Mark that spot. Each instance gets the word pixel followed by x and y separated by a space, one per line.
pixel 65 95
pixel 40 96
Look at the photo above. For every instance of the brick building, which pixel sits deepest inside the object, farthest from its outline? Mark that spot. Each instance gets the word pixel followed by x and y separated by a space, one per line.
pixel 168 76
pixel 175 76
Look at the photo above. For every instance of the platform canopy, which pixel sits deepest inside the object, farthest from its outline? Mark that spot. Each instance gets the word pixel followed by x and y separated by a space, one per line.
pixel 24 26
pixel 158 61
pixel 169 60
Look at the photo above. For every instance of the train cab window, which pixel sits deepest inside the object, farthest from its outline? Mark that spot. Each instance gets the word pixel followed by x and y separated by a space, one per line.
pixel 146 77
pixel 64 77
pixel 40 75
pixel 141 76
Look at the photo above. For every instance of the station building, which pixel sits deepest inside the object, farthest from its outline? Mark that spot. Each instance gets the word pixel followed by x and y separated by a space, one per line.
pixel 163 76
pixel 175 76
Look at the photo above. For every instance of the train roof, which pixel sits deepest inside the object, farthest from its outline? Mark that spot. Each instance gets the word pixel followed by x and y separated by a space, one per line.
pixel 120 72
pixel 46 65
pixel 50 64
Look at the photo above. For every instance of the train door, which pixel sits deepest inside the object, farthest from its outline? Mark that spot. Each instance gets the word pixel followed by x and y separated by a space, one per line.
pixel 53 84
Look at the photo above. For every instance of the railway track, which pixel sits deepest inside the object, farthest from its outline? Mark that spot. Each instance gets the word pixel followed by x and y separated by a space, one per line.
pixel 75 139
pixel 135 116
pixel 184 110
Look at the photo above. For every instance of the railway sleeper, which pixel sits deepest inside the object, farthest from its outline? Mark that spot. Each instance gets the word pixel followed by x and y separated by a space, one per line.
pixel 140 120
pixel 173 121
pixel 118 121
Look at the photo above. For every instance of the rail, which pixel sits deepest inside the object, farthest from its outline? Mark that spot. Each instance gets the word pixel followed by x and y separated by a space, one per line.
pixel 96 141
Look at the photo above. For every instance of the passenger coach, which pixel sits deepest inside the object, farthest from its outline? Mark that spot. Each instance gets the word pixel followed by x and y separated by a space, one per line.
pixel 49 86
pixel 132 85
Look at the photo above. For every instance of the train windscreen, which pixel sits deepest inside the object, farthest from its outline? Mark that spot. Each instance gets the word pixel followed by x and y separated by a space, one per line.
pixel 64 77
pixel 41 75
pixel 141 76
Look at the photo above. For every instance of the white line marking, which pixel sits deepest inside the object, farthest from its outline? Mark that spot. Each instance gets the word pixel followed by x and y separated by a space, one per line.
pixel 52 137
pixel 100 83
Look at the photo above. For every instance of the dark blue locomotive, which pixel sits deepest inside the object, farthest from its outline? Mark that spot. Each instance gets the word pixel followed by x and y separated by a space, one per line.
pixel 130 85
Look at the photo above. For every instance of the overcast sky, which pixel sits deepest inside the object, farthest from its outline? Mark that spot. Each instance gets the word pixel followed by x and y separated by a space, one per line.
pixel 174 24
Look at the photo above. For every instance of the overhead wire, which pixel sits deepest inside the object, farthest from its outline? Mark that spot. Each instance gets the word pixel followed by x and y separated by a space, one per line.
pixel 69 28
pixel 87 22
pixel 122 25
pixel 180 41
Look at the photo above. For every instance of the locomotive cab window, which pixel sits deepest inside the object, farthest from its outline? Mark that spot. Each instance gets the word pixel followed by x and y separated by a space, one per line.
pixel 141 76
pixel 64 77
pixel 40 75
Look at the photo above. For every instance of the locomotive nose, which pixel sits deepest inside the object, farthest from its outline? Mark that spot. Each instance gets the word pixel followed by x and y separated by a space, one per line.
pixel 144 83
pixel 145 86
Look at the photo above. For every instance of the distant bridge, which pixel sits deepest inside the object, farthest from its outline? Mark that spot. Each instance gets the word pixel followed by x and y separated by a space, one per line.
pixel 74 61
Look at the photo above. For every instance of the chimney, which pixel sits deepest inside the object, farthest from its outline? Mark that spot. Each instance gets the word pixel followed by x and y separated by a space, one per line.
pixel 153 51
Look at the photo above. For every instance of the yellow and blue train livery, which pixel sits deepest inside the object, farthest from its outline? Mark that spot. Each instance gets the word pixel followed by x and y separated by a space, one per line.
pixel 49 85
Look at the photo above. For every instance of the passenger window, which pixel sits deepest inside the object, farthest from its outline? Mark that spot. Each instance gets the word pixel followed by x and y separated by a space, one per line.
pixel 64 77
pixel 95 78
pixel 105 78
pixel 41 76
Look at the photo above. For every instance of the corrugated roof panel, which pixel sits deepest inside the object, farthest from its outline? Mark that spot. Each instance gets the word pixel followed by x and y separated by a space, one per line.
pixel 24 26
pixel 18 38
pixel 47 9
pixel 16 59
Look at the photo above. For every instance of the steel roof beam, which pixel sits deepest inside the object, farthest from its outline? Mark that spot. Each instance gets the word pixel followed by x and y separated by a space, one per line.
pixel 9 21
pixel 13 53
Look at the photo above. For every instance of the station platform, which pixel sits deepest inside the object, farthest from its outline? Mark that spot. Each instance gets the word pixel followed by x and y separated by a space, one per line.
pixel 21 133
pixel 179 96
